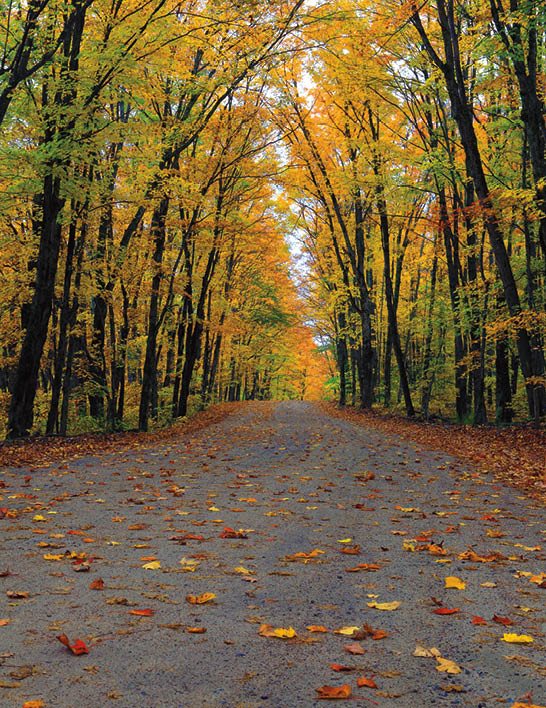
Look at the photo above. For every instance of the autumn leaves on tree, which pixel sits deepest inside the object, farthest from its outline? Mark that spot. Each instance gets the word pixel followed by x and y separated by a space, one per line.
pixel 157 156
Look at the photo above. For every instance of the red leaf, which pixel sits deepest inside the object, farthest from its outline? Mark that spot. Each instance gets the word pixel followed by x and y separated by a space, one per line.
pixel 476 619
pixel 506 621
pixel 446 611
pixel 77 648
pixel 97 584
pixel 147 612
pixel 231 533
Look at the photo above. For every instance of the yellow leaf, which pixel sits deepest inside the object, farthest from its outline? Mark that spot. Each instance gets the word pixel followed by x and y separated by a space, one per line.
pixel 517 638
pixel 346 631
pixel 243 571
pixel 426 653
pixel 266 630
pixel 522 705
pixel 345 540
pixel 154 565
pixel 213 508
pixel 200 599
pixel 53 556
pixel 34 704
pixel 316 628
pixel 447 666
pixel 453 582
pixel 189 565
pixel 384 605
pixel 39 517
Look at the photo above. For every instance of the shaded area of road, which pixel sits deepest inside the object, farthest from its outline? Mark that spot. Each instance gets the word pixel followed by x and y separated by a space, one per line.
pixel 288 479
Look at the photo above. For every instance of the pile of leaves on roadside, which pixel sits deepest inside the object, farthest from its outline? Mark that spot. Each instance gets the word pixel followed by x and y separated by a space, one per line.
pixel 515 455
pixel 41 451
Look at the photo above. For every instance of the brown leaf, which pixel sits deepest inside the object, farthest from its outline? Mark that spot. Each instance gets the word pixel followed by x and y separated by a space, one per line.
pixel 354 648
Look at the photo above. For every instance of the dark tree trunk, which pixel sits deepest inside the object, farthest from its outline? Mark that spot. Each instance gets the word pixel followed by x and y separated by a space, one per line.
pixel 149 372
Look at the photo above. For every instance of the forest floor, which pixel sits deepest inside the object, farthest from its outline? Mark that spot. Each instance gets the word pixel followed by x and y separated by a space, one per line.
pixel 276 556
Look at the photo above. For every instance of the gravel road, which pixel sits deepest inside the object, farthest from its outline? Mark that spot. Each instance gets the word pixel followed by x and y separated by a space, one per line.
pixel 291 480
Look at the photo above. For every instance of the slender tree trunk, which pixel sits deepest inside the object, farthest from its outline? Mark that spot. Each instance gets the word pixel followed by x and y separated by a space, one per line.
pixel 149 373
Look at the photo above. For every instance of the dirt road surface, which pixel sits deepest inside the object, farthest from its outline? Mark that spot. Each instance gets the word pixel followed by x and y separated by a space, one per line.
pixel 270 510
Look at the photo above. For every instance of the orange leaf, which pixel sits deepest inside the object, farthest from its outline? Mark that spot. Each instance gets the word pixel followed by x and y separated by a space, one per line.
pixel 368 682
pixel 363 566
pixel 77 648
pixel 97 584
pixel 476 619
pixel 350 550
pixel 334 691
pixel 34 704
pixel 147 612
pixel 446 611
pixel 316 628
pixel 196 630
pixel 341 667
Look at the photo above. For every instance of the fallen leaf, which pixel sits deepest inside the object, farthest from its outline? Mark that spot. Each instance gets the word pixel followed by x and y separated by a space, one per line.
pixel 476 619
pixel 506 621
pixel 363 566
pixel 316 628
pixel 266 630
pixel 4 622
pixel 22 672
pixel 517 638
pixel 447 666
pixel 200 599
pixel 351 550
pixel 17 594
pixel 231 533
pixel 421 651
pixel 384 605
pixel 341 667
pixel 147 612
pixel 354 648
pixel 154 565
pixel 34 704
pixel 333 692
pixel 455 583
pixel 362 682
pixel 446 611
pixel 77 648
pixel 97 584
pixel 346 631
pixel 453 688
pixel 196 630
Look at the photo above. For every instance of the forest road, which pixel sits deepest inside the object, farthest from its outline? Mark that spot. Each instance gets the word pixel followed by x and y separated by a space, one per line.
pixel 290 480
